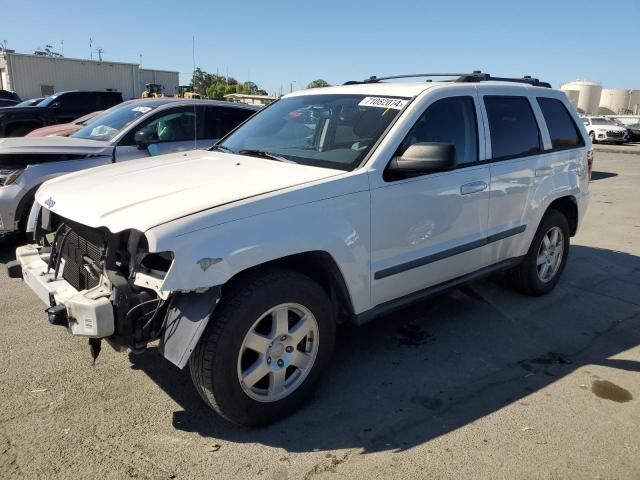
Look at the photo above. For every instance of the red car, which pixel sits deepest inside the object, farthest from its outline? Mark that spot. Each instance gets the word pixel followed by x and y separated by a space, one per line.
pixel 63 129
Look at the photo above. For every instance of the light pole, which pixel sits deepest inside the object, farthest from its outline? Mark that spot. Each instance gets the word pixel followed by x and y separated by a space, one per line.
pixel 291 86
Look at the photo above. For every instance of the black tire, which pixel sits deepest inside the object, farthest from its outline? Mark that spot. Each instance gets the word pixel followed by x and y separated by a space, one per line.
pixel 593 138
pixel 213 364
pixel 524 277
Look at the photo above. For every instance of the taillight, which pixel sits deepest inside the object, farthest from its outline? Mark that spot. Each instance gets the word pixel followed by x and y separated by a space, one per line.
pixel 590 162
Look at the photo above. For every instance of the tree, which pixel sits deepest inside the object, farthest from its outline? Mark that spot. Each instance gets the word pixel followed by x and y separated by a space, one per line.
pixel 217 86
pixel 319 83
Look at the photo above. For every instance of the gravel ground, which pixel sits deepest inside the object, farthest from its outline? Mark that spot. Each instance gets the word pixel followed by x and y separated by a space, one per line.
pixel 477 383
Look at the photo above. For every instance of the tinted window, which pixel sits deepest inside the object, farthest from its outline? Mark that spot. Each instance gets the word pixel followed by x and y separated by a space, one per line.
pixel 513 126
pixel 451 120
pixel 71 101
pixel 562 129
pixel 221 120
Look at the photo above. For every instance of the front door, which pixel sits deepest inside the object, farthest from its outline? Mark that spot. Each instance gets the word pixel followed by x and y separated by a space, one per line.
pixel 429 229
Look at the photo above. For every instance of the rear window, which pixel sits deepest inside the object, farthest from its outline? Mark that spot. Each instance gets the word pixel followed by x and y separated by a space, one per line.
pixel 562 129
pixel 512 125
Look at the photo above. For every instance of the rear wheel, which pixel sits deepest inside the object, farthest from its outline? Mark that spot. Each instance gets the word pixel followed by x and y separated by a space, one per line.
pixel 544 263
pixel 265 348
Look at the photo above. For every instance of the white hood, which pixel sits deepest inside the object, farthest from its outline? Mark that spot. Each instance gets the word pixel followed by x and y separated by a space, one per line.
pixel 147 192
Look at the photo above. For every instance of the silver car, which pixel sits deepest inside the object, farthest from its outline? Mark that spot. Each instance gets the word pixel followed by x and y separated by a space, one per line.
pixel 131 130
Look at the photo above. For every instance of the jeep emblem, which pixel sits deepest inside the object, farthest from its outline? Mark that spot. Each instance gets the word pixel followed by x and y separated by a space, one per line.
pixel 50 202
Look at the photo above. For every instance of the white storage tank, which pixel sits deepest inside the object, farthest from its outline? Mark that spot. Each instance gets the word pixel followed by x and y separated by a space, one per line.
pixel 634 102
pixel 614 101
pixel 589 95
pixel 573 96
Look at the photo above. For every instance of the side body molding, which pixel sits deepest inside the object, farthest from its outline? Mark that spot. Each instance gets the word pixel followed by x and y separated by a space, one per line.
pixel 187 318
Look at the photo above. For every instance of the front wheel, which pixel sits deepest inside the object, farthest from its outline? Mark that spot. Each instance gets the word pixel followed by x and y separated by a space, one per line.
pixel 544 263
pixel 265 348
pixel 593 138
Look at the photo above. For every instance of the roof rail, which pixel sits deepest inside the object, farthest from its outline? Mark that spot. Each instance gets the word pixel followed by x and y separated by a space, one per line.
pixel 475 76
pixel 478 76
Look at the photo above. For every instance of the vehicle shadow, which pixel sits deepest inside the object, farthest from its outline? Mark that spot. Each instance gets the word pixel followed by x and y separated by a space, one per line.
pixel 595 175
pixel 439 365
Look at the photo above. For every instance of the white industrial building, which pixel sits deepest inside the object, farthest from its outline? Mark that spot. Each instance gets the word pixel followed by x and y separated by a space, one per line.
pixel 590 98
pixel 36 76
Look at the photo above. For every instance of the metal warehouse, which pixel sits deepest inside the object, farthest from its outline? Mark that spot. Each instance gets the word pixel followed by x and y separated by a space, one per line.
pixel 36 76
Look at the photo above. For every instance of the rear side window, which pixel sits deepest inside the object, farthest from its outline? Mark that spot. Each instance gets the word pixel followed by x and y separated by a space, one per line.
pixel 562 129
pixel 512 125
pixel 221 120
pixel 450 120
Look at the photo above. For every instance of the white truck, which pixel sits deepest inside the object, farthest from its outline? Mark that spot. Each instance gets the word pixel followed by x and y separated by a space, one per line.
pixel 330 205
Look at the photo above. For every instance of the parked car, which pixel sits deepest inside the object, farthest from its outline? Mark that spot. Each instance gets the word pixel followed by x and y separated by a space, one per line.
pixel 604 130
pixel 63 129
pixel 135 129
pixel 634 132
pixel 8 98
pixel 62 107
pixel 32 102
pixel 242 259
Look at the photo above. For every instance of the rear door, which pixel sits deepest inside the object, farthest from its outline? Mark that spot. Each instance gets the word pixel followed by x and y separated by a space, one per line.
pixel 515 150
pixel 429 229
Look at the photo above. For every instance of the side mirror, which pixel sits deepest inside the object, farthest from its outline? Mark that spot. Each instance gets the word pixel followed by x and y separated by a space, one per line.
pixel 145 137
pixel 423 158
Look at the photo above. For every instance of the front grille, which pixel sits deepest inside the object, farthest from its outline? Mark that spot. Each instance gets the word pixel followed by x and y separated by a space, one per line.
pixel 615 133
pixel 82 261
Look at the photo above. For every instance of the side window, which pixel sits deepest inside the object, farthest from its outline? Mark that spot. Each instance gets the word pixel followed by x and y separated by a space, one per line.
pixel 174 126
pixel 70 101
pixel 562 129
pixel 450 120
pixel 221 120
pixel 513 127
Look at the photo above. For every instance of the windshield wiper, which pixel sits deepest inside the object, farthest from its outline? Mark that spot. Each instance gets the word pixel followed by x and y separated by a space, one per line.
pixel 222 148
pixel 263 154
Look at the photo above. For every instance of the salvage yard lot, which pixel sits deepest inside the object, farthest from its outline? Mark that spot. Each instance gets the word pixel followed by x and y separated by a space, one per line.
pixel 477 383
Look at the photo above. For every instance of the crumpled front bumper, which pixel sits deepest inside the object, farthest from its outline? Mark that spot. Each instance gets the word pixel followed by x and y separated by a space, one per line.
pixel 89 312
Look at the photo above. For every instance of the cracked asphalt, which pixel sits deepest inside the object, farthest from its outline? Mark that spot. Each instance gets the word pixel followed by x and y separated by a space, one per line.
pixel 477 383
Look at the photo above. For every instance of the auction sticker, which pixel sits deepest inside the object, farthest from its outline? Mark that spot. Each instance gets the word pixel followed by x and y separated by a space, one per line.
pixel 383 102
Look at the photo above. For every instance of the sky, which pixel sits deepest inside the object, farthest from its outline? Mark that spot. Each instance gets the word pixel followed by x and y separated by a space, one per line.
pixel 286 44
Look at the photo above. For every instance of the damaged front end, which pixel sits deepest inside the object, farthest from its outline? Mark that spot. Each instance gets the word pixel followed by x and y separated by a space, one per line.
pixel 105 285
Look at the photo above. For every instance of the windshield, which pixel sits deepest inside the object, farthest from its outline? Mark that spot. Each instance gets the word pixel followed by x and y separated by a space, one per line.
pixel 332 131
pixel 602 121
pixel 48 101
pixel 30 103
pixel 106 126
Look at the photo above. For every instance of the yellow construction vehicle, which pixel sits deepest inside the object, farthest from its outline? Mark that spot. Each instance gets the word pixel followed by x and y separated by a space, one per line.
pixel 153 90
pixel 186 91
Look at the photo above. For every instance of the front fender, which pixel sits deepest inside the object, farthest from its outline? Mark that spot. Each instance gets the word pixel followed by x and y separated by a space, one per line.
pixel 211 256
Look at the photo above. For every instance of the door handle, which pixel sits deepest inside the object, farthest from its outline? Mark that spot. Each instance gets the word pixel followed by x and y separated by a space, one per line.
pixel 543 172
pixel 473 187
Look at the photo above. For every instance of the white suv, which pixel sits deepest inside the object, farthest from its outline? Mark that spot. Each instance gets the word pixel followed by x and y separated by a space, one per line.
pixel 330 205
pixel 602 129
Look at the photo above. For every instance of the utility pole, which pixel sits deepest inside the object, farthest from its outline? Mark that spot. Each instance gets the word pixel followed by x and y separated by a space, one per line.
pixel 100 51
pixel 291 86
pixel 90 48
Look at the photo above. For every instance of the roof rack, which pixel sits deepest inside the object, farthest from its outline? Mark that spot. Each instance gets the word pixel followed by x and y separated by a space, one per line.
pixel 478 76
pixel 475 76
